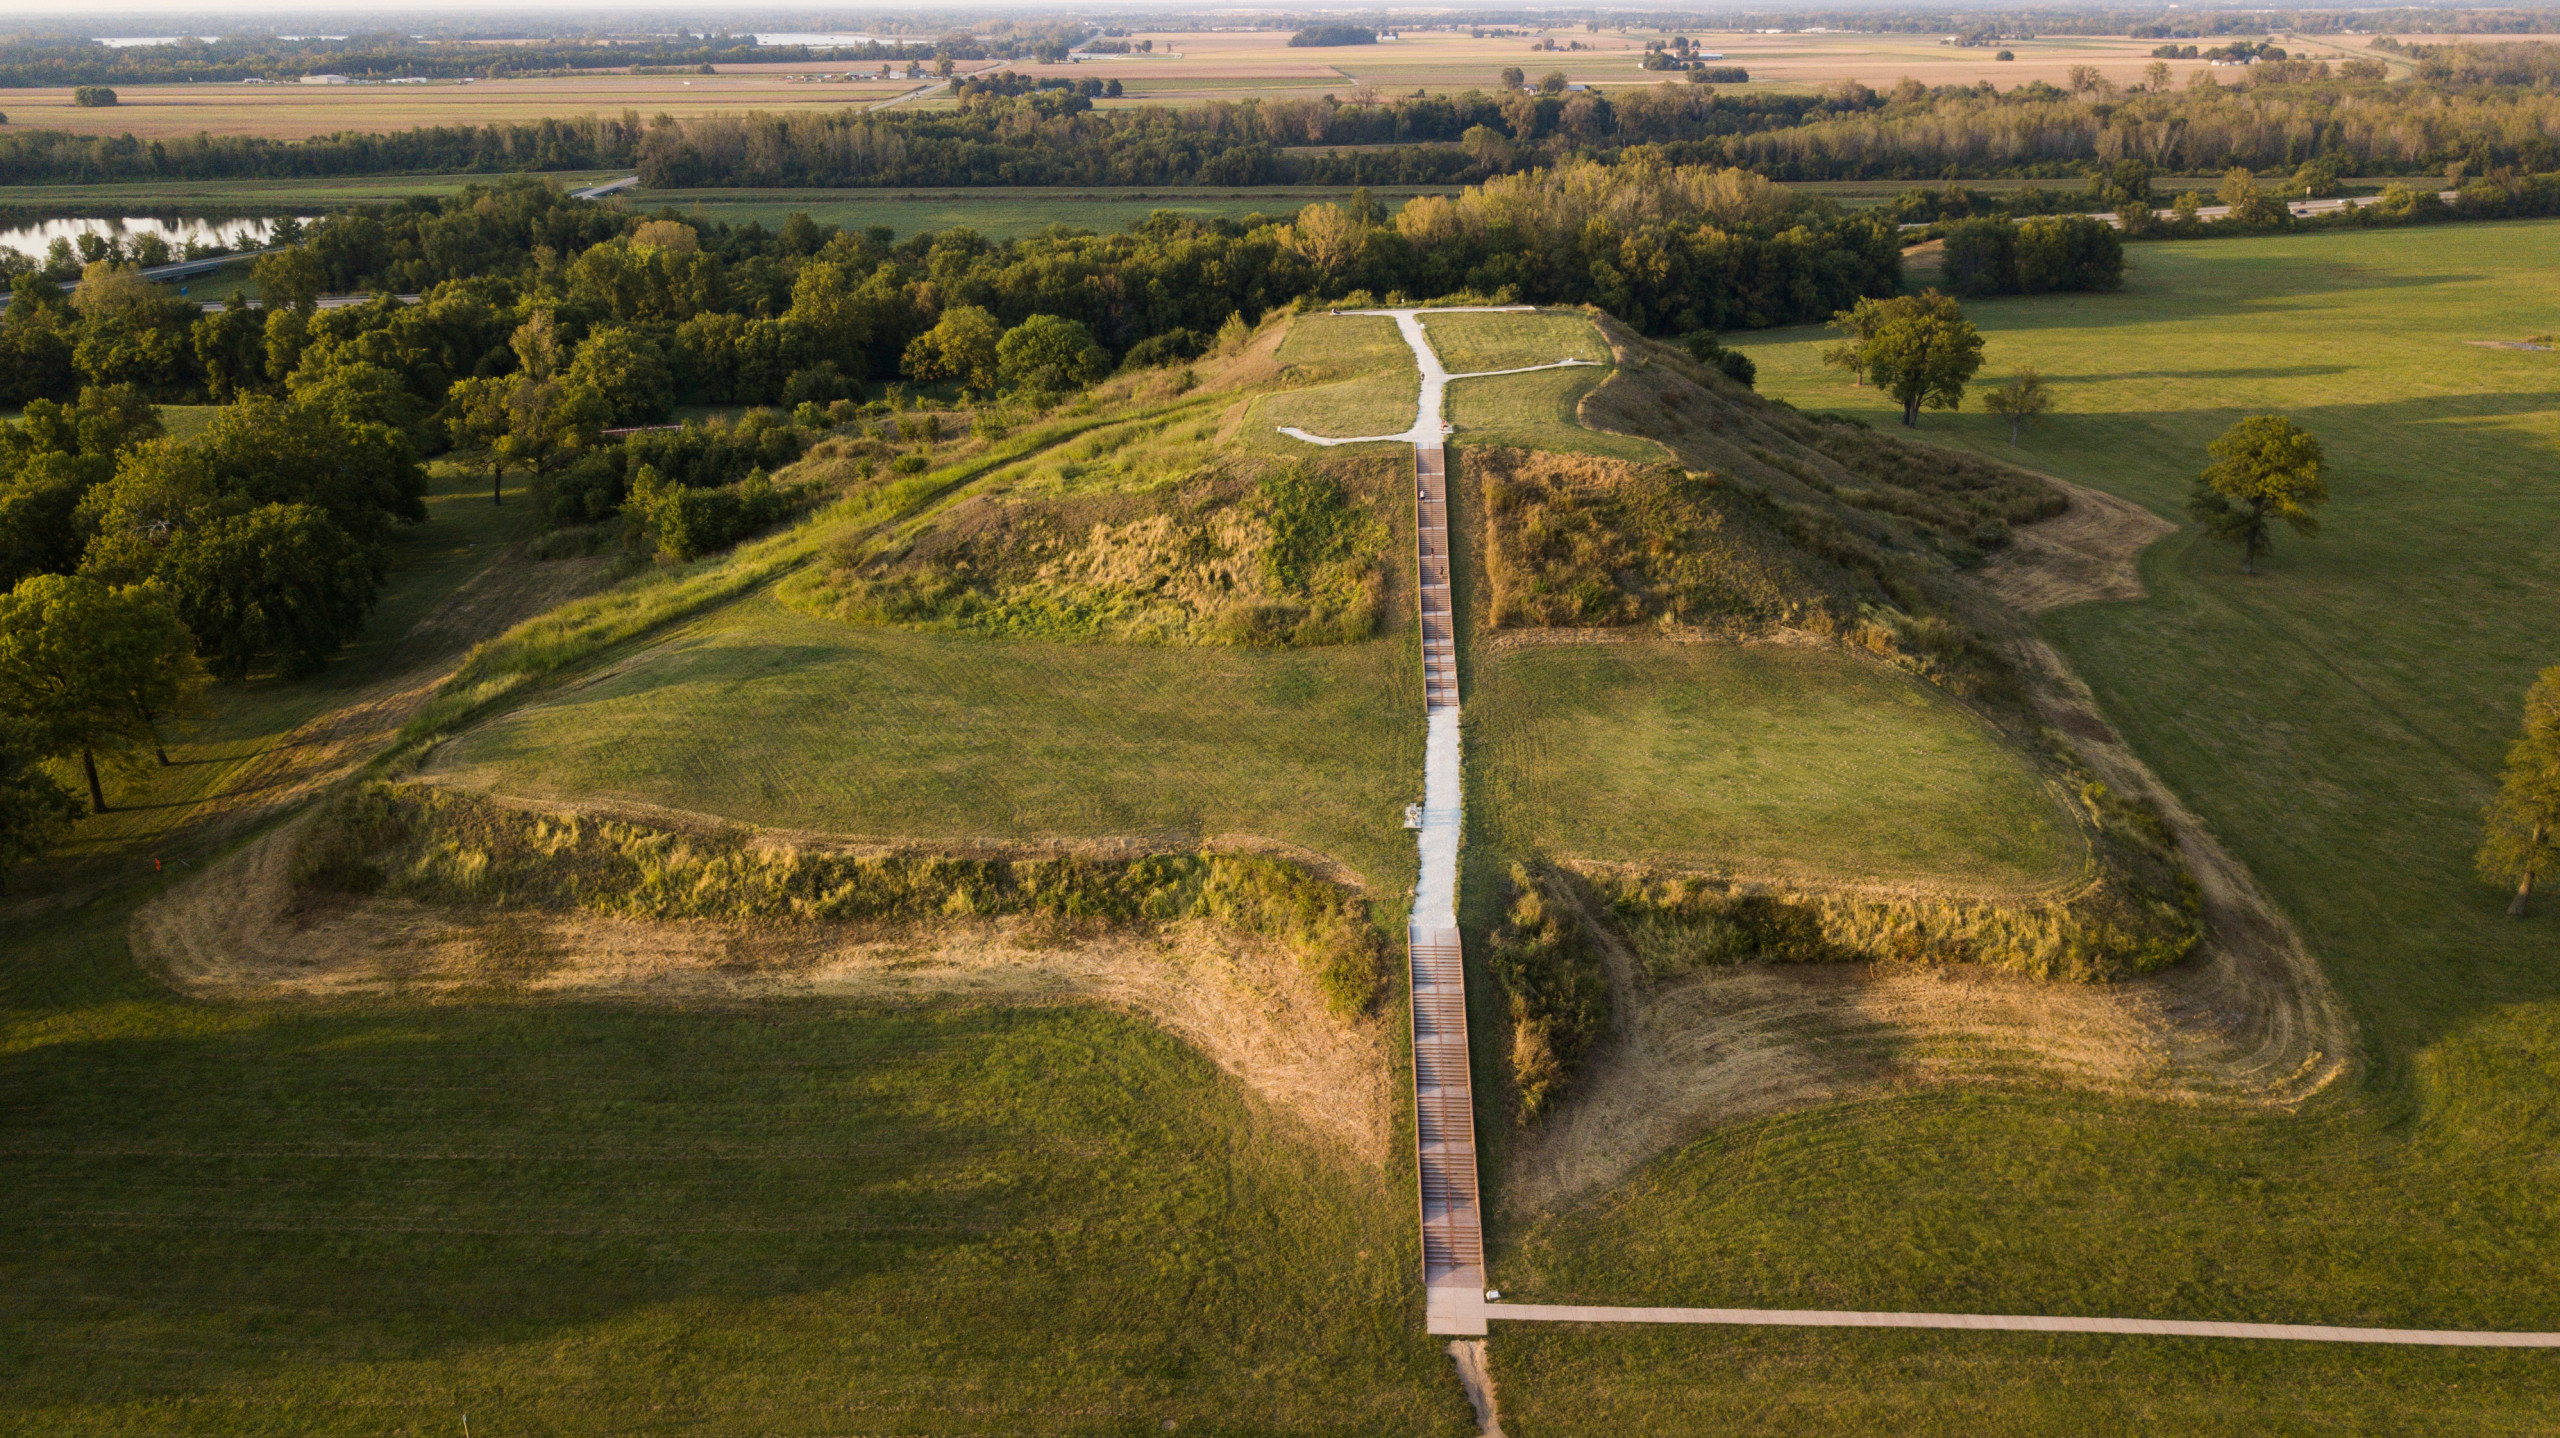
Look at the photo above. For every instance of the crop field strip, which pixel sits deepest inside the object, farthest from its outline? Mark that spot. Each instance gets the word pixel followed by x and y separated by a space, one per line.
pixel 1188 68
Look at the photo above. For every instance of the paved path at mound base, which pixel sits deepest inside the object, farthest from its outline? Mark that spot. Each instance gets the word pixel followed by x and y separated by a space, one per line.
pixel 2015 1323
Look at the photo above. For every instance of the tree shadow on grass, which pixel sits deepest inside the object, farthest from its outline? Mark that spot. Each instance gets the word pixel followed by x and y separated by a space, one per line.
pixel 303 1198
pixel 2303 371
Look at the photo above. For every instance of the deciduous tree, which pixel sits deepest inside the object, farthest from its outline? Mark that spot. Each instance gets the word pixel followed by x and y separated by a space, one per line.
pixel 1858 324
pixel 1923 353
pixel 2023 398
pixel 476 417
pixel 280 580
pixel 1046 352
pixel 90 666
pixel 34 810
pixel 961 346
pixel 2265 468
pixel 2522 841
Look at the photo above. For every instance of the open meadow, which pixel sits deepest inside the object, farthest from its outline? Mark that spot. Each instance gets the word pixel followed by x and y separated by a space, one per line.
pixel 2337 722
pixel 297 111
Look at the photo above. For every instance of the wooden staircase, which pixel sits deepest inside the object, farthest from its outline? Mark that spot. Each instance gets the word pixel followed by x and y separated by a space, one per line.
pixel 1443 1094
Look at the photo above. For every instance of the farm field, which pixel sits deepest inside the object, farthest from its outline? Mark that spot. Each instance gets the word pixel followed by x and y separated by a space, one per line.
pixel 1186 68
pixel 293 112
pixel 2337 722
pixel 1195 67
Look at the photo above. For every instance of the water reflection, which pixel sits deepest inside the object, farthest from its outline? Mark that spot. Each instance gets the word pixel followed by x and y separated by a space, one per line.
pixel 144 239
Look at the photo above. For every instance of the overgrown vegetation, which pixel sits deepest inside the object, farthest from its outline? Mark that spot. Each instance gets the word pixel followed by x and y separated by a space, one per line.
pixel 1295 556
pixel 1589 543
pixel 1770 518
pixel 433 845
pixel 1556 991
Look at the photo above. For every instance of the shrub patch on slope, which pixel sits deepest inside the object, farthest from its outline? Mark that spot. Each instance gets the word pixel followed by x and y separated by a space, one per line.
pixel 1576 542
pixel 2140 912
pixel 1294 555
pixel 433 845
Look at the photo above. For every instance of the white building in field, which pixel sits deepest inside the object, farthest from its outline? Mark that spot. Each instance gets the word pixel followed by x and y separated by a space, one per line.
pixel 326 80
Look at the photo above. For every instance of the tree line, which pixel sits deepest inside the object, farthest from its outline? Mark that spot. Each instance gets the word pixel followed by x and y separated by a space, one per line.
pixel 544 323
pixel 1047 138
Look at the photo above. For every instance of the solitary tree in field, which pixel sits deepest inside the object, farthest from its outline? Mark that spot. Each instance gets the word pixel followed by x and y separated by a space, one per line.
pixel 2023 398
pixel 2265 468
pixel 1923 353
pixel 2523 822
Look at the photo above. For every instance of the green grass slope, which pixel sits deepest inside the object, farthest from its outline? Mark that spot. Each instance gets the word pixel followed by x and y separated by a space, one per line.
pixel 765 715
pixel 1366 383
pixel 1755 760
pixel 2337 722
pixel 381 1215
pixel 579 1218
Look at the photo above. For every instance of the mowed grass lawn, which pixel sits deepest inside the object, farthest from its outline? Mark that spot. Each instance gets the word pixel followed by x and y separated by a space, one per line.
pixel 769 716
pixel 1536 411
pixel 1471 343
pixel 2338 721
pixel 1379 396
pixel 1753 760
pixel 1539 411
pixel 610 1219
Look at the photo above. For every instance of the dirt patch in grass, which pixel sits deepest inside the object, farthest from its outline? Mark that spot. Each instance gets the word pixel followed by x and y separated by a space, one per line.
pixel 240 933
pixel 2090 551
